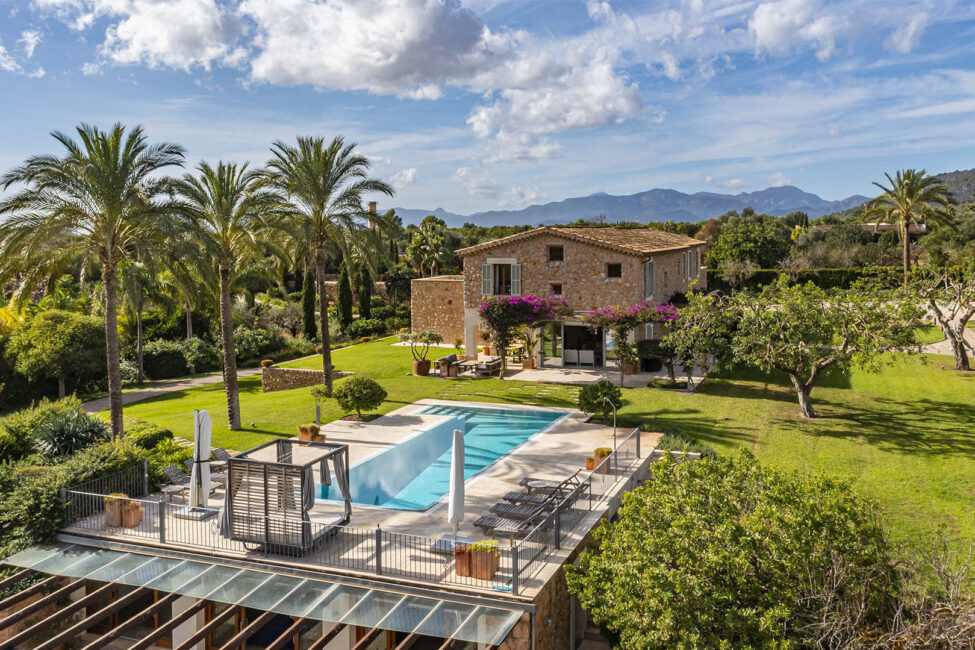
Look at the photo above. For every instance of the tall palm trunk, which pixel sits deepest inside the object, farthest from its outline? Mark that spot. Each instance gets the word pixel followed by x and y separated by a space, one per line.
pixel 110 276
pixel 323 317
pixel 139 348
pixel 229 357
pixel 907 253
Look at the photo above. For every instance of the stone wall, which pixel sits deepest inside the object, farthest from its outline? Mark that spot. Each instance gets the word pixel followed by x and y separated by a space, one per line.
pixel 582 273
pixel 437 304
pixel 273 378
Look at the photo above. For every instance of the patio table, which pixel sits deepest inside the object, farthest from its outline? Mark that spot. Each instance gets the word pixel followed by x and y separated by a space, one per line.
pixel 467 366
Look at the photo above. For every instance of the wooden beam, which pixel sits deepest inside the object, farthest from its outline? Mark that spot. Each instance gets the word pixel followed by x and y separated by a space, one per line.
pixel 15 578
pixel 168 626
pixel 62 614
pixel 367 638
pixel 202 633
pixel 83 625
pixel 38 605
pixel 408 641
pixel 296 628
pixel 448 643
pixel 118 631
pixel 29 591
pixel 249 631
pixel 328 636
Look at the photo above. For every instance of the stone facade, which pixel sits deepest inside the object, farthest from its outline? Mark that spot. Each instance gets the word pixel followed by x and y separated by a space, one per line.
pixel 273 378
pixel 437 304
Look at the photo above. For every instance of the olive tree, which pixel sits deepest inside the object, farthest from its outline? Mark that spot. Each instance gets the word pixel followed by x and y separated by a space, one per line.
pixel 802 330
pixel 701 335
pixel 949 295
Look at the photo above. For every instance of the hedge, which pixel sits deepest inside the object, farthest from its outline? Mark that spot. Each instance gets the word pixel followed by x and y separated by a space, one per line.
pixel 823 278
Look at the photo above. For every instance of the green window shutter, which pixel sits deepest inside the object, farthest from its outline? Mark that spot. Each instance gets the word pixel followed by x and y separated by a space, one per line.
pixel 486 279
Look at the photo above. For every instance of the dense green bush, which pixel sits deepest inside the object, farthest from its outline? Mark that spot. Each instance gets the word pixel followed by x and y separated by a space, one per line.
pixel 166 452
pixel 677 441
pixel 360 394
pixel 17 429
pixel 145 434
pixel 299 346
pixel 365 327
pixel 164 360
pixel 381 310
pixel 727 554
pixel 68 432
pixel 61 345
pixel 202 355
pixel 396 323
pixel 591 398
pixel 843 278
pixel 252 344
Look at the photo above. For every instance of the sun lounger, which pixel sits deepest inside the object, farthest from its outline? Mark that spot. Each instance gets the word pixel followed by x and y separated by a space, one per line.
pixel 533 484
pixel 220 479
pixel 179 484
pixel 501 526
pixel 527 498
pixel 512 511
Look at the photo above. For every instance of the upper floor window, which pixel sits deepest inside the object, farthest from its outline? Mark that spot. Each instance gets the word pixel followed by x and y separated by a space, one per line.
pixel 556 253
pixel 614 270
pixel 649 278
pixel 501 279
pixel 556 289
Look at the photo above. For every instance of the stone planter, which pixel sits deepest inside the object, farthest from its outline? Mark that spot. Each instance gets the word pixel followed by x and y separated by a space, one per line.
pixel 310 433
pixel 113 509
pixel 528 364
pixel 629 368
pixel 131 514
pixel 598 457
pixel 421 367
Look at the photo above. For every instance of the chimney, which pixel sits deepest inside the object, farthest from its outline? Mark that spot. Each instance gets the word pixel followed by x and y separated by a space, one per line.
pixel 372 211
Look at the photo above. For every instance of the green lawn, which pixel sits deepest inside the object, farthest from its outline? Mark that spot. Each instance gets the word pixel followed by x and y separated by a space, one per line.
pixel 906 436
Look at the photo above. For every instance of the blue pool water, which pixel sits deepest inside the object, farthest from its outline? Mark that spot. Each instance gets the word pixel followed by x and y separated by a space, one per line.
pixel 413 474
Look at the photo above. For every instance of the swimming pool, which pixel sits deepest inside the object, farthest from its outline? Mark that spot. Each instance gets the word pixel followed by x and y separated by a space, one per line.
pixel 415 473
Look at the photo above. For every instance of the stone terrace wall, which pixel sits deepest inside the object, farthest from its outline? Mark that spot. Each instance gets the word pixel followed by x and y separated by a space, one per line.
pixel 273 378
pixel 437 304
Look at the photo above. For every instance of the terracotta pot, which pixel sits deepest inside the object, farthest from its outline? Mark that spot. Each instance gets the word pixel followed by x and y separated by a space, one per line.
pixel 113 509
pixel 462 561
pixel 629 368
pixel 421 367
pixel 310 433
pixel 487 350
pixel 528 364
pixel 131 515
pixel 484 564
pixel 590 464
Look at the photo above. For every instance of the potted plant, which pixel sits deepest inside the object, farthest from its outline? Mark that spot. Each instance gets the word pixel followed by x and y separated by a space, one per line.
pixel 310 433
pixel 598 456
pixel 113 509
pixel 590 463
pixel 131 514
pixel 530 339
pixel 486 336
pixel 485 559
pixel 420 343
pixel 628 358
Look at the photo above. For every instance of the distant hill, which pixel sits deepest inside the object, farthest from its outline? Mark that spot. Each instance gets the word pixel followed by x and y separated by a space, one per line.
pixel 961 184
pixel 652 205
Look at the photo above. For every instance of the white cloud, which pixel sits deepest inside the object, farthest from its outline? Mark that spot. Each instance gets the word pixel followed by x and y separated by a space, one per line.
pixel 29 39
pixel 780 26
pixel 476 183
pixel 9 64
pixel 906 37
pixel 729 184
pixel 516 198
pixel 778 179
pixel 403 178
pixel 507 146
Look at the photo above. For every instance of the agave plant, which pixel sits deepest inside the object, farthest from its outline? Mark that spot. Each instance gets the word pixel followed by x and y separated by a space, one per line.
pixel 68 432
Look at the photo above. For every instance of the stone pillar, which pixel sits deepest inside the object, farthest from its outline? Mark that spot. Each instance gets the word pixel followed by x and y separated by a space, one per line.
pixel 188 628
pixel 472 336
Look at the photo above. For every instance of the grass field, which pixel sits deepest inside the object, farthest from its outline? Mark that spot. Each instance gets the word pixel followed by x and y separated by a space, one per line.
pixel 905 436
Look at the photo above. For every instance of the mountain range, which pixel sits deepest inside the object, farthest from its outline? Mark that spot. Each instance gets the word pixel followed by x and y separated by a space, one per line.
pixel 652 205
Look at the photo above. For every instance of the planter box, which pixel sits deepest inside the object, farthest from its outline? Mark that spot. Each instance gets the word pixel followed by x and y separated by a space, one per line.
pixel 601 467
pixel 629 368
pixel 528 364
pixel 131 515
pixel 462 561
pixel 113 509
pixel 310 433
pixel 478 564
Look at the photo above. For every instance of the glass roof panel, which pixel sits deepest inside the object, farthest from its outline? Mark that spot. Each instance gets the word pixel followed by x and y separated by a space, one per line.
pixel 118 568
pixel 179 576
pixel 409 614
pixel 303 600
pixel 33 555
pixel 208 581
pixel 235 590
pixel 78 558
pixel 445 620
pixel 338 603
pixel 149 571
pixel 372 609
pixel 488 626
pixel 271 593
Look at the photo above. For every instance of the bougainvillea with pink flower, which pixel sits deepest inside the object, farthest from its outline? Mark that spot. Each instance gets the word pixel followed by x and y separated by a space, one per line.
pixel 619 321
pixel 504 315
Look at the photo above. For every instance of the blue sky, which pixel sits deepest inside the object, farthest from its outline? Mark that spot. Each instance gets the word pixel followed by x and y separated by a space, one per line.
pixel 481 104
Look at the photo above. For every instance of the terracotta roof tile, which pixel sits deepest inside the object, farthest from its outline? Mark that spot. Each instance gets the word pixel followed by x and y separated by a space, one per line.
pixel 641 241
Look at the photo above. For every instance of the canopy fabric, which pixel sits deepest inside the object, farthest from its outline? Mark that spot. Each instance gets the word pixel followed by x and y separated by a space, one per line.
pixel 342 478
pixel 283 594
pixel 200 476
pixel 455 505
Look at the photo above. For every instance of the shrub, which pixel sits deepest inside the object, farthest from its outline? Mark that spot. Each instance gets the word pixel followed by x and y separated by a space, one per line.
pixel 129 370
pixel 164 360
pixel 299 346
pixel 397 323
pixel 255 343
pixel 591 398
pixel 728 554
pixel 667 384
pixel 677 441
pixel 201 355
pixel 267 363
pixel 167 452
pixel 381 310
pixel 17 429
pixel 360 394
pixel 66 433
pixel 145 434
pixel 365 327
pixel 365 339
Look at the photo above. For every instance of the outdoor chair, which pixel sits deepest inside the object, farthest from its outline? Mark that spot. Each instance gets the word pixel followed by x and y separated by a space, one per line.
pixel 548 485
pixel 220 479
pixel 587 358
pixel 220 458
pixel 488 368
pixel 179 484
pixel 519 512
pixel 448 366
pixel 570 357
pixel 526 498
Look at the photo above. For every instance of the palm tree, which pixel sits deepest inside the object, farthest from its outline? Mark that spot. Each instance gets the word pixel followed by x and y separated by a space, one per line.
pixel 102 199
pixel 232 218
pixel 324 185
pixel 136 282
pixel 912 198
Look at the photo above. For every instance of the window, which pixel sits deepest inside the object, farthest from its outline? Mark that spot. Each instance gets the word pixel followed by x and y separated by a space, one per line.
pixel 556 253
pixel 697 267
pixel 614 270
pixel 556 289
pixel 648 331
pixel 500 279
pixel 649 278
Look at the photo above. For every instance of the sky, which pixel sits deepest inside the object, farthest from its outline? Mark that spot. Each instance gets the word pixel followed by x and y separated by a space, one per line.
pixel 478 104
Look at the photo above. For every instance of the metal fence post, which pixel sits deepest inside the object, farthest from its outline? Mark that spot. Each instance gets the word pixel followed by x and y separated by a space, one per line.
pixel 557 527
pixel 514 568
pixel 145 477
pixel 379 550
pixel 638 442
pixel 161 515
